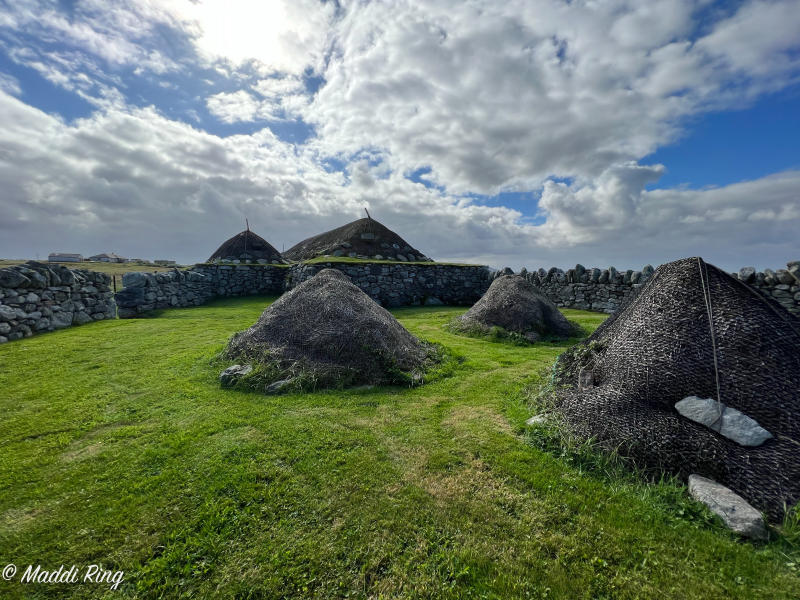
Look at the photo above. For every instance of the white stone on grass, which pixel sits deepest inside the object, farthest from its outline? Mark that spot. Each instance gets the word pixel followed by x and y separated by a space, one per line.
pixel 727 421
pixel 734 510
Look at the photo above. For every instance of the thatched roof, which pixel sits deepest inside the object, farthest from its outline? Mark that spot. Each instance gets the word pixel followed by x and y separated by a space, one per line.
pixel 693 330
pixel 365 238
pixel 328 330
pixel 516 305
pixel 246 247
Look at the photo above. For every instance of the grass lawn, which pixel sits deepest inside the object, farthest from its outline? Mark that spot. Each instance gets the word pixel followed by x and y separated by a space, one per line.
pixel 117 446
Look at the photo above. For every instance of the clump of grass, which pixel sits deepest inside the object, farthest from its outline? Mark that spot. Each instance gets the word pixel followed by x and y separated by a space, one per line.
pixel 495 333
pixel 303 376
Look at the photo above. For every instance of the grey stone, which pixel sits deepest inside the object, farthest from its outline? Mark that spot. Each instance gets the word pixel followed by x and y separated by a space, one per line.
pixel 539 419
pixel 277 386
pixel 433 301
pixel 402 257
pixel 81 318
pixel 5 328
pixel 232 374
pixel 747 274
pixel 734 510
pixel 61 319
pixel 11 278
pixel 7 313
pixel 784 277
pixel 3 340
pixel 134 279
pixel 727 421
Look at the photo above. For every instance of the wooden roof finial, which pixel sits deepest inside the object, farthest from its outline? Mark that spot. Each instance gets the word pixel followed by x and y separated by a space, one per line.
pixel 366 211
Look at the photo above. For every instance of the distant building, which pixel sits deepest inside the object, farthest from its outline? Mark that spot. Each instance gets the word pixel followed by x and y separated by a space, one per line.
pixel 138 260
pixel 105 257
pixel 164 263
pixel 64 257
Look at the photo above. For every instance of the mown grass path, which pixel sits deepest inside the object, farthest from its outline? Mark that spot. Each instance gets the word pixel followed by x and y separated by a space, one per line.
pixel 118 446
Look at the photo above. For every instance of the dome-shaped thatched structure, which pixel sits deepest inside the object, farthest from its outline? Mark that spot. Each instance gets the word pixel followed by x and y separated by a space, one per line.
pixel 328 331
pixel 693 331
pixel 246 247
pixel 515 305
pixel 365 238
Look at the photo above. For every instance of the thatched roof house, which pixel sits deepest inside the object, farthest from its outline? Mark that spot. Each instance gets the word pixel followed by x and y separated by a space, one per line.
pixel 365 238
pixel 693 331
pixel 246 247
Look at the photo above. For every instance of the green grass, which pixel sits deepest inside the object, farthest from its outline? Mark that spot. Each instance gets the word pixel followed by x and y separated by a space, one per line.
pixel 118 446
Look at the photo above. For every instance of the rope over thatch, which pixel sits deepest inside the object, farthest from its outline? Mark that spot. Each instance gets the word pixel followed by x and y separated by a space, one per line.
pixel 693 330
pixel 246 247
pixel 362 238
pixel 516 305
pixel 333 332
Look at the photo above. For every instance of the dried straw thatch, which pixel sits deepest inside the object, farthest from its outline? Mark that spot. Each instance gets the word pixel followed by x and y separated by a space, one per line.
pixel 693 330
pixel 328 331
pixel 515 305
pixel 365 238
pixel 246 247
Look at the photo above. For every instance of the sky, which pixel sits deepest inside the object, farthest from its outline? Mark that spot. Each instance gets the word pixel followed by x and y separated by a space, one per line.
pixel 530 133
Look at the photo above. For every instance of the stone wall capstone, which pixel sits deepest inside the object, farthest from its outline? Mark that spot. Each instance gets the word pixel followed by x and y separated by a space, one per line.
pixel 605 290
pixel 37 297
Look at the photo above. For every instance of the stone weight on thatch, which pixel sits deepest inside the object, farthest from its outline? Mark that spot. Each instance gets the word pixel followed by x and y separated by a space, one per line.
pixel 328 332
pixel 694 331
pixel 514 304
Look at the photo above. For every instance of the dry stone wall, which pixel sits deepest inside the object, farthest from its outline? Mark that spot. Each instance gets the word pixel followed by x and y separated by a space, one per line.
pixel 397 284
pixel 143 292
pixel 606 289
pixel 37 297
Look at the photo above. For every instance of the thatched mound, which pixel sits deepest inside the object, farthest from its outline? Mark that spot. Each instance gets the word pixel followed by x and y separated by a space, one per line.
pixel 365 238
pixel 623 383
pixel 328 331
pixel 514 304
pixel 246 247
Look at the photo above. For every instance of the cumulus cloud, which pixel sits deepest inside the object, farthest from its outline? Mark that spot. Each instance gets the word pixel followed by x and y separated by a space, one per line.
pixel 495 95
pixel 137 183
pixel 489 96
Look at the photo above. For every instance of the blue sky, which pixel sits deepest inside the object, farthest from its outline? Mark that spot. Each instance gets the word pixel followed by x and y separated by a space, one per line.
pixel 527 133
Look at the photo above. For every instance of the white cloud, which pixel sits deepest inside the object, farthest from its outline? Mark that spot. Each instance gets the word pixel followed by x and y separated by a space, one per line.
pixel 233 107
pixel 9 84
pixel 489 95
pixel 494 95
pixel 137 183
pixel 275 35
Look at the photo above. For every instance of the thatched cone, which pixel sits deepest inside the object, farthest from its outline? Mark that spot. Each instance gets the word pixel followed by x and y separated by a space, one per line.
pixel 330 332
pixel 624 381
pixel 514 304
pixel 366 238
pixel 246 247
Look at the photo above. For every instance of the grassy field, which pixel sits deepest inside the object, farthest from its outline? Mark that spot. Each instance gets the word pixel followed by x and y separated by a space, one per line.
pixel 117 446
pixel 104 267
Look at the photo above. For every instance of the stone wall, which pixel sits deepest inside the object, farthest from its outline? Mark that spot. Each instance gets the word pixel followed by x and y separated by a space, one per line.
pixel 143 292
pixel 606 289
pixel 397 284
pixel 37 297
pixel 406 284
